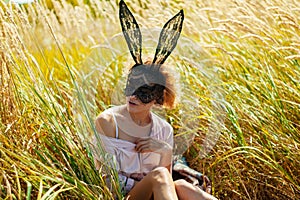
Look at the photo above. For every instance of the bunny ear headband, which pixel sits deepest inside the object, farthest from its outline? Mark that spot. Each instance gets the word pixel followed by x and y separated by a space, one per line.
pixel 167 40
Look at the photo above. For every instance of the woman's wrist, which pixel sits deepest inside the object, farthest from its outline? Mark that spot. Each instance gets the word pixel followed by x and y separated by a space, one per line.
pixel 165 149
pixel 166 157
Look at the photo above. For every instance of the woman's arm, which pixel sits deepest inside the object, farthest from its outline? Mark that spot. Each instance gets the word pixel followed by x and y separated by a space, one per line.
pixel 104 126
pixel 166 160
pixel 144 145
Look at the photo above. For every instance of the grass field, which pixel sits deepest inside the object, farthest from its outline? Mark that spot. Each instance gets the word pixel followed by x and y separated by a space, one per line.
pixel 238 66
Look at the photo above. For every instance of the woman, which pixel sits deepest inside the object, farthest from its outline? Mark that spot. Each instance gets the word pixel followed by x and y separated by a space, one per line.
pixel 140 141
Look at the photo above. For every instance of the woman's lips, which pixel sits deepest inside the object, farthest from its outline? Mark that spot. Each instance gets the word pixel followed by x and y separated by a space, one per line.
pixel 132 103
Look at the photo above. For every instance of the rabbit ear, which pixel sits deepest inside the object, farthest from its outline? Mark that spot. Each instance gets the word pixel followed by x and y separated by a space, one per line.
pixel 168 38
pixel 131 32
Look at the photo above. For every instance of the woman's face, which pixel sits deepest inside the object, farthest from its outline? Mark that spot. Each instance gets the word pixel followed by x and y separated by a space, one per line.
pixel 138 86
pixel 141 80
pixel 135 105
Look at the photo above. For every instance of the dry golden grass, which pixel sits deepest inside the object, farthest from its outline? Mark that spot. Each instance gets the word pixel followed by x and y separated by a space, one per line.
pixel 52 60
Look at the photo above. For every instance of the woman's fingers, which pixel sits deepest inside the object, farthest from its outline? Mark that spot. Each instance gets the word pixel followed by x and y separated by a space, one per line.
pixel 142 147
pixel 148 145
pixel 143 140
pixel 145 145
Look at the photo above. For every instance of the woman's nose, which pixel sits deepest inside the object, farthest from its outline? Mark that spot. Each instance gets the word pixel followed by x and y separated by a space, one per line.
pixel 133 96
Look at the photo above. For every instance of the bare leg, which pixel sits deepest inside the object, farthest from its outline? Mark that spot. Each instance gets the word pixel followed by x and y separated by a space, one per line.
pixel 158 183
pixel 187 191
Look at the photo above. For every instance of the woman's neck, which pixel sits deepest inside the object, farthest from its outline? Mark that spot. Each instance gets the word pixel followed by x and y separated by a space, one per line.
pixel 141 118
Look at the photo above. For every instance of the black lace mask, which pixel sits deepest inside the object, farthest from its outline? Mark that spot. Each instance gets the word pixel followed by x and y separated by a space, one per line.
pixel 146 83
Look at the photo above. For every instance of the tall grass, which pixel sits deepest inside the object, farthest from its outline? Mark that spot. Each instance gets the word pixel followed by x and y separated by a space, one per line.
pixel 62 60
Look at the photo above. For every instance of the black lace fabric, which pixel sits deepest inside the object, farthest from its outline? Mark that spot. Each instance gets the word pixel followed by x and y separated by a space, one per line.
pixel 131 32
pixel 168 38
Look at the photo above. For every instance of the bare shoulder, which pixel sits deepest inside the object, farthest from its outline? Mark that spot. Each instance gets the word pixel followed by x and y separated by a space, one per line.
pixel 105 124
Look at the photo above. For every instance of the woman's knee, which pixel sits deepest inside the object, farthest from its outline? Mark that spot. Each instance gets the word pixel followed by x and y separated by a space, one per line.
pixel 160 175
pixel 182 186
pixel 186 190
pixel 180 183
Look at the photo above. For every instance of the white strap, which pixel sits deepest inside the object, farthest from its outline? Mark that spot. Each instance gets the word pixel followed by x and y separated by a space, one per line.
pixel 115 120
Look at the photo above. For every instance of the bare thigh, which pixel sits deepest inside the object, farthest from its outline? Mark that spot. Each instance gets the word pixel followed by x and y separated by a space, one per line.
pixel 142 190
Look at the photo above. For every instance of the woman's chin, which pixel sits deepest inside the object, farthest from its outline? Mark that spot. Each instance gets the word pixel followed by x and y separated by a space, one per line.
pixel 132 107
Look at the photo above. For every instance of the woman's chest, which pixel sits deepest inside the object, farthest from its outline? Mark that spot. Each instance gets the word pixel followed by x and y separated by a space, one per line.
pixel 131 135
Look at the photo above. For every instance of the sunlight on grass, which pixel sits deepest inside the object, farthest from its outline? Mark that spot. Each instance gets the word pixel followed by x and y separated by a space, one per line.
pixel 61 61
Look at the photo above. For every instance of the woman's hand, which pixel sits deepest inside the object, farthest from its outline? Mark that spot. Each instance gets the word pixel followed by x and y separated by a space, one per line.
pixel 137 176
pixel 149 144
